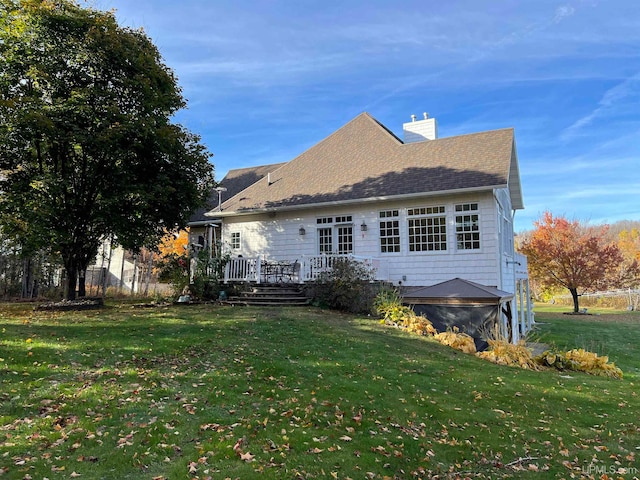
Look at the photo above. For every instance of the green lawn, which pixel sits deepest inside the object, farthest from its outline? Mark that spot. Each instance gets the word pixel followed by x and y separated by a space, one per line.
pixel 226 392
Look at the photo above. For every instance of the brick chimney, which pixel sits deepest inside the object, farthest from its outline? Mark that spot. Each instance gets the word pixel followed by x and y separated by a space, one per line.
pixel 421 130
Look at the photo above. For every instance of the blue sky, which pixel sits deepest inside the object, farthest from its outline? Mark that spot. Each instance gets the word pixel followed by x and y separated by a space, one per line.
pixel 265 80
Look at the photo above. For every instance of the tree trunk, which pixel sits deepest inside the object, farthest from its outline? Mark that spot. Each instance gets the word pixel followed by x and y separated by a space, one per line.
pixel 93 276
pixel 574 295
pixel 72 282
pixel 135 273
pixel 148 278
pixel 26 278
pixel 107 272
pixel 121 284
pixel 82 273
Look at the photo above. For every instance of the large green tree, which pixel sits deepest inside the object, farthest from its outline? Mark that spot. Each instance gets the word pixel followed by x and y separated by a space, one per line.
pixel 88 148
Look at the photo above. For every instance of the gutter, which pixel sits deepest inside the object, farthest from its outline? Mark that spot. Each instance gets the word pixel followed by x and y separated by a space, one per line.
pixel 205 223
pixel 307 206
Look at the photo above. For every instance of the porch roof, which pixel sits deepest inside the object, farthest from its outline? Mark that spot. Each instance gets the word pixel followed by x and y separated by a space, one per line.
pixel 364 160
pixel 457 291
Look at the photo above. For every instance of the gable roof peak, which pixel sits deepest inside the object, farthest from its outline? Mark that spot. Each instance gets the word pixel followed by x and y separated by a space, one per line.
pixel 364 161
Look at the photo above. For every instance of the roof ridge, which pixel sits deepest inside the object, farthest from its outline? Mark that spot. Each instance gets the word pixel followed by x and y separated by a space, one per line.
pixel 363 160
pixel 254 167
pixel 363 114
pixel 453 137
pixel 384 127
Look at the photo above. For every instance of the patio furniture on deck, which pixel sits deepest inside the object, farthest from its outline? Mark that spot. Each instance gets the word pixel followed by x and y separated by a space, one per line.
pixel 279 271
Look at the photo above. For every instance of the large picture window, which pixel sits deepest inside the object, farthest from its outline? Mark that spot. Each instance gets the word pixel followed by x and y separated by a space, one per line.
pixel 427 229
pixel 467 226
pixel 389 231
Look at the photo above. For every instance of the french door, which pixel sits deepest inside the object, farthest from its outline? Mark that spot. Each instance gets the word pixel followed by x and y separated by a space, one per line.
pixel 336 239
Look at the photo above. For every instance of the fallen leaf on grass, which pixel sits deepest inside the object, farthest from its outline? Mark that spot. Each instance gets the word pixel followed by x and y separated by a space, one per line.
pixel 91 459
pixel 381 450
pixel 357 418
pixel 238 445
pixel 212 426
pixel 247 457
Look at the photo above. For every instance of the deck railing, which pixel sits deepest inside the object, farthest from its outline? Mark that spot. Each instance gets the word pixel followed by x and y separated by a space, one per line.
pixel 314 266
pixel 242 270
pixel 307 268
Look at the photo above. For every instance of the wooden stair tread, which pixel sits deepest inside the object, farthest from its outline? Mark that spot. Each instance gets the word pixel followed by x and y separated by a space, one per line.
pixel 270 295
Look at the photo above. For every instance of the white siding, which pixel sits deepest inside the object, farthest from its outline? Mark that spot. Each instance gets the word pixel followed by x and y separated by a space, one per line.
pixel 277 237
pixel 506 255
pixel 272 237
pixel 421 130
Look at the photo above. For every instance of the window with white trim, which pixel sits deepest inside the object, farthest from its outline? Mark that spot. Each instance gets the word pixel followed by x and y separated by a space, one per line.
pixel 389 231
pixel 467 226
pixel 345 239
pixel 235 240
pixel 427 228
pixel 505 226
pixel 325 240
pixel 335 232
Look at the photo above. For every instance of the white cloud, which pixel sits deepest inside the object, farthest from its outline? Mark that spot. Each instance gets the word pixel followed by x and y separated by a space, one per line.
pixel 612 99
pixel 563 12
pixel 268 79
pixel 629 190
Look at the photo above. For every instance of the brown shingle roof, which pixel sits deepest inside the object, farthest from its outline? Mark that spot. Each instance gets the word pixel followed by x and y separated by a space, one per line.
pixel 456 290
pixel 363 160
pixel 234 181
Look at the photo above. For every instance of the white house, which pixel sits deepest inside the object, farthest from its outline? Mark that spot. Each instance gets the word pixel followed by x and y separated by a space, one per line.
pixel 422 210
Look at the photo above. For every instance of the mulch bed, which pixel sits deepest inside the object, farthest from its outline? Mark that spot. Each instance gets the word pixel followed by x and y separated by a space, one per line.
pixel 151 305
pixel 68 305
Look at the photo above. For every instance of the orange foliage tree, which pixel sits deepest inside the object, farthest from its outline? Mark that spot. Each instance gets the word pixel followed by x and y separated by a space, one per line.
pixel 174 244
pixel 628 274
pixel 572 255
pixel 173 259
pixel 629 243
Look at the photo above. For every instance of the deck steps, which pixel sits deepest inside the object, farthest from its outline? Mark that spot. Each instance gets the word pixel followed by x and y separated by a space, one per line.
pixel 270 295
